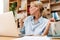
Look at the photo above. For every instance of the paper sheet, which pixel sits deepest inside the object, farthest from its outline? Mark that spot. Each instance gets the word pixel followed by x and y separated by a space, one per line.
pixel 33 38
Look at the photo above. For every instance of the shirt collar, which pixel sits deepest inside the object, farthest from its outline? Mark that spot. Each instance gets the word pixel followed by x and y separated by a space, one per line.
pixel 39 20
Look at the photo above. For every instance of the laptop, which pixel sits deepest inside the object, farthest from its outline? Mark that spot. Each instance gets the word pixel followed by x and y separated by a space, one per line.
pixel 8 27
pixel 54 31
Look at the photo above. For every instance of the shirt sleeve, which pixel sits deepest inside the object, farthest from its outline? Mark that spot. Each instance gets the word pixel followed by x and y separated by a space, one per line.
pixel 27 19
pixel 23 30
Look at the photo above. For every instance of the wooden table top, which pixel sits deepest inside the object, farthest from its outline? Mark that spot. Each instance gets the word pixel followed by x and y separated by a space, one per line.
pixel 12 38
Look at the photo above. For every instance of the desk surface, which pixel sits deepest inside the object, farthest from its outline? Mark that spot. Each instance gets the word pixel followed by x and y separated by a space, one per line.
pixel 12 38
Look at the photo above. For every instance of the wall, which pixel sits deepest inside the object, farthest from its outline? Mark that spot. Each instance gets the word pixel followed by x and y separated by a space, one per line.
pixel 6 5
pixel 1 6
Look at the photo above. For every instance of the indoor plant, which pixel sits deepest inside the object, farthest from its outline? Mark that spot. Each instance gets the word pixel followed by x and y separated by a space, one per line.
pixel 13 7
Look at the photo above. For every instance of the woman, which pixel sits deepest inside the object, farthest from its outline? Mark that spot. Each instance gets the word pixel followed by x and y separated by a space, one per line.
pixel 35 24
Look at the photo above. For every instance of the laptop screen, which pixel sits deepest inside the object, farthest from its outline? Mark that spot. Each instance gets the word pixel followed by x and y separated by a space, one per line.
pixel 8 26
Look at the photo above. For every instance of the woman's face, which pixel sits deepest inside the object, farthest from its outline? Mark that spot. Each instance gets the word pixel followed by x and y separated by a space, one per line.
pixel 33 9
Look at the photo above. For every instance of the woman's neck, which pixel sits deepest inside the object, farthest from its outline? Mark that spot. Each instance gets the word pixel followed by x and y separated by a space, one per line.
pixel 37 16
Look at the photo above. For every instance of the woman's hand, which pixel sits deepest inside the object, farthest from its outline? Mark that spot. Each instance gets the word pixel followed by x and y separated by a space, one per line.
pixel 52 19
pixel 21 23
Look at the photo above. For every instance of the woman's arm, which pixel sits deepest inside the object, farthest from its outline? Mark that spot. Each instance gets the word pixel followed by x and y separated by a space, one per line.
pixel 46 29
pixel 22 28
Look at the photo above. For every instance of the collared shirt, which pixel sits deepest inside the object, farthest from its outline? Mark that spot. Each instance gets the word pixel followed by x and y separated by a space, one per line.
pixel 32 28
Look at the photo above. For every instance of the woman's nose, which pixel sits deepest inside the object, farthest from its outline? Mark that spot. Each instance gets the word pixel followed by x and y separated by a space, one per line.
pixel 32 8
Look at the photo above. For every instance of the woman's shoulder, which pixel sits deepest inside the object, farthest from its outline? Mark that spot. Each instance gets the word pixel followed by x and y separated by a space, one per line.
pixel 45 19
pixel 28 18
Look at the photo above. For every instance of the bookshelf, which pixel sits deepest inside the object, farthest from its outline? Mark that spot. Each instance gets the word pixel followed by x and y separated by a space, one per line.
pixel 54 5
pixel 12 1
pixel 44 1
pixel 19 4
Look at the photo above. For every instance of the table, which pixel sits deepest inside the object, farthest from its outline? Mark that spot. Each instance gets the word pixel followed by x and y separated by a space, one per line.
pixel 12 38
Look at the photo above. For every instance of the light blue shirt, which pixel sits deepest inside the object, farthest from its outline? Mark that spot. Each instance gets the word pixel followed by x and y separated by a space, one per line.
pixel 31 28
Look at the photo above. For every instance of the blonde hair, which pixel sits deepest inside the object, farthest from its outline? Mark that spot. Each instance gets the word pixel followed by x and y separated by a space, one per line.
pixel 38 3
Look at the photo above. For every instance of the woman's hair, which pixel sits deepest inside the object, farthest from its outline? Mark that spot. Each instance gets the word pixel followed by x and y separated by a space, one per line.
pixel 38 3
pixel 45 13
